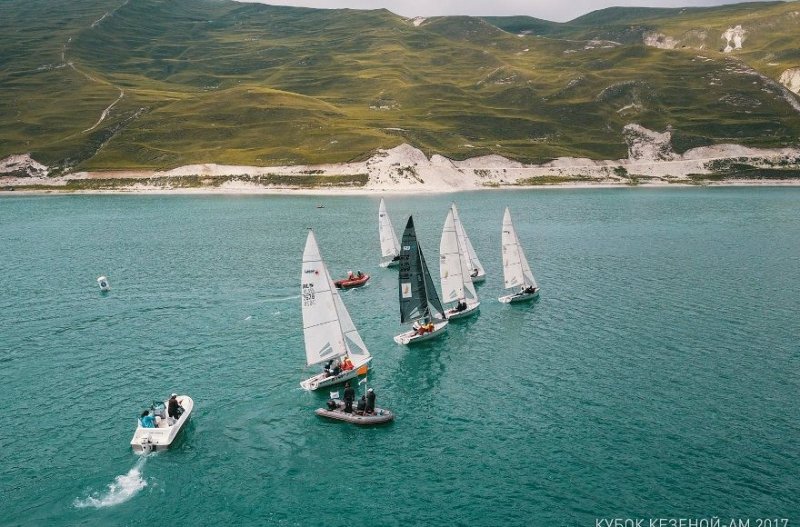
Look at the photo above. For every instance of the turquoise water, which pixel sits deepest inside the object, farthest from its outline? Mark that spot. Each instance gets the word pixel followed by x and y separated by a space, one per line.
pixel 657 376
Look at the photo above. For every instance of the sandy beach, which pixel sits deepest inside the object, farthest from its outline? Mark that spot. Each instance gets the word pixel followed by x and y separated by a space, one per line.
pixel 405 169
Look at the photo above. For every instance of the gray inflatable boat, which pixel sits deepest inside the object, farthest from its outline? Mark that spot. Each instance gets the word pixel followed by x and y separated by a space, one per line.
pixel 381 415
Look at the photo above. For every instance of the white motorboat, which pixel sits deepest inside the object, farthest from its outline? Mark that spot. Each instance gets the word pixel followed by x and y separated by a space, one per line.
pixel 419 302
pixel 329 333
pixel 454 271
pixel 166 428
pixel 517 273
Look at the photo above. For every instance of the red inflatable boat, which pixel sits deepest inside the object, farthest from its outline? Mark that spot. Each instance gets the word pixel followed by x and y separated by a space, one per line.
pixel 349 283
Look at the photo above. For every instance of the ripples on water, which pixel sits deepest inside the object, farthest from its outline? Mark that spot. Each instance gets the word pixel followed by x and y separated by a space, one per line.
pixel 656 376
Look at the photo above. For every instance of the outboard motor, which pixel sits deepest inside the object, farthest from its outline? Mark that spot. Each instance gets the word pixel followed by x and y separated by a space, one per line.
pixel 147 445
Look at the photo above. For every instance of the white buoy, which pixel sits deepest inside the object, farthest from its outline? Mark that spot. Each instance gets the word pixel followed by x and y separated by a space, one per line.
pixel 102 281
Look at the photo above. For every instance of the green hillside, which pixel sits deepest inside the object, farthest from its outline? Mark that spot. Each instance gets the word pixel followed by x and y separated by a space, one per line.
pixel 216 81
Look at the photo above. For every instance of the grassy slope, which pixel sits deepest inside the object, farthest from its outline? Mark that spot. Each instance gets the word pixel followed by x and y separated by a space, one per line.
pixel 211 81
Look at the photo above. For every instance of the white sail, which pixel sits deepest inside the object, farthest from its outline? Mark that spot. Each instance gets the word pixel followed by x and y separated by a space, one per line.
pixel 469 252
pixel 516 271
pixel 327 327
pixel 454 270
pixel 390 247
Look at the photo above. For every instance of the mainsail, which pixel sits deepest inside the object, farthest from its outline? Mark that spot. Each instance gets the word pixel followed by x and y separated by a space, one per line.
pixel 453 267
pixel 469 252
pixel 390 247
pixel 418 298
pixel 327 327
pixel 516 271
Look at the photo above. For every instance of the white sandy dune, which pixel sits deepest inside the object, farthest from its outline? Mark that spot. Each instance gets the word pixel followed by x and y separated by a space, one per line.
pixel 404 168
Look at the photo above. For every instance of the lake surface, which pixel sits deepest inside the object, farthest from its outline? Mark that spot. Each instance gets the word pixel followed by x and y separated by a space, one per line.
pixel 657 376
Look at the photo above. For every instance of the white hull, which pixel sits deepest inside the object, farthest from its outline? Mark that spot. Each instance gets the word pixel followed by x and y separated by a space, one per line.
pixel 322 381
pixel 480 277
pixel 518 297
pixel 411 337
pixel 161 437
pixel 452 314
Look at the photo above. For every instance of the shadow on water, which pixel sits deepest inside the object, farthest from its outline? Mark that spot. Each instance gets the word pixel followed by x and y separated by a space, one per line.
pixel 421 366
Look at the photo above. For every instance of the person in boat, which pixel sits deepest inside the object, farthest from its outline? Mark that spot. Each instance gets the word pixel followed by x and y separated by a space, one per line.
pixel 332 405
pixel 347 364
pixel 360 274
pixel 474 273
pixel 370 409
pixel 528 290
pixel 350 275
pixel 362 405
pixel 461 306
pixel 349 397
pixel 147 420
pixel 174 408
pixel 327 368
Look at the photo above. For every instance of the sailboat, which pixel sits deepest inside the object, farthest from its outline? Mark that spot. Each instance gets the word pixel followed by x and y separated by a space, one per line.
pixel 477 273
pixel 419 302
pixel 455 273
pixel 516 271
pixel 330 335
pixel 390 247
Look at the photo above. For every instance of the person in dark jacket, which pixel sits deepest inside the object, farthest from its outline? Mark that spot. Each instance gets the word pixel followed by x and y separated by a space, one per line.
pixel 362 405
pixel 370 401
pixel 174 408
pixel 349 397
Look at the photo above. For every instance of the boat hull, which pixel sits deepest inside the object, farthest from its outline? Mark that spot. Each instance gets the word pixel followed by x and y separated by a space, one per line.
pixel 350 284
pixel 391 263
pixel 322 381
pixel 452 314
pixel 519 297
pixel 152 439
pixel 381 415
pixel 480 277
pixel 411 337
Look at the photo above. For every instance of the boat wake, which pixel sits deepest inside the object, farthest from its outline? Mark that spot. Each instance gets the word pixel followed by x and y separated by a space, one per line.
pixel 124 487
pixel 279 299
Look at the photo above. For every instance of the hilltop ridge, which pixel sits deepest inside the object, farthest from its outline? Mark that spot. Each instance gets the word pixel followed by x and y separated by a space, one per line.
pixel 154 85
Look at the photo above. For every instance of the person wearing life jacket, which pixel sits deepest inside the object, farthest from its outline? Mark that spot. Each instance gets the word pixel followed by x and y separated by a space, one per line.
pixel 347 364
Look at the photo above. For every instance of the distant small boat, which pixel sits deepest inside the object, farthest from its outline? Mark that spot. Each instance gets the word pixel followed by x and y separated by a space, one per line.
pixel 390 247
pixel 320 206
pixel 161 437
pixel 351 282
pixel 380 416
pixel 102 281
pixel 516 271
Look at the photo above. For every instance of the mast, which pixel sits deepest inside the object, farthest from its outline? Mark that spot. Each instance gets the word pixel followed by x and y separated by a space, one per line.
pixel 328 329
pixel 516 271
pixel 466 244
